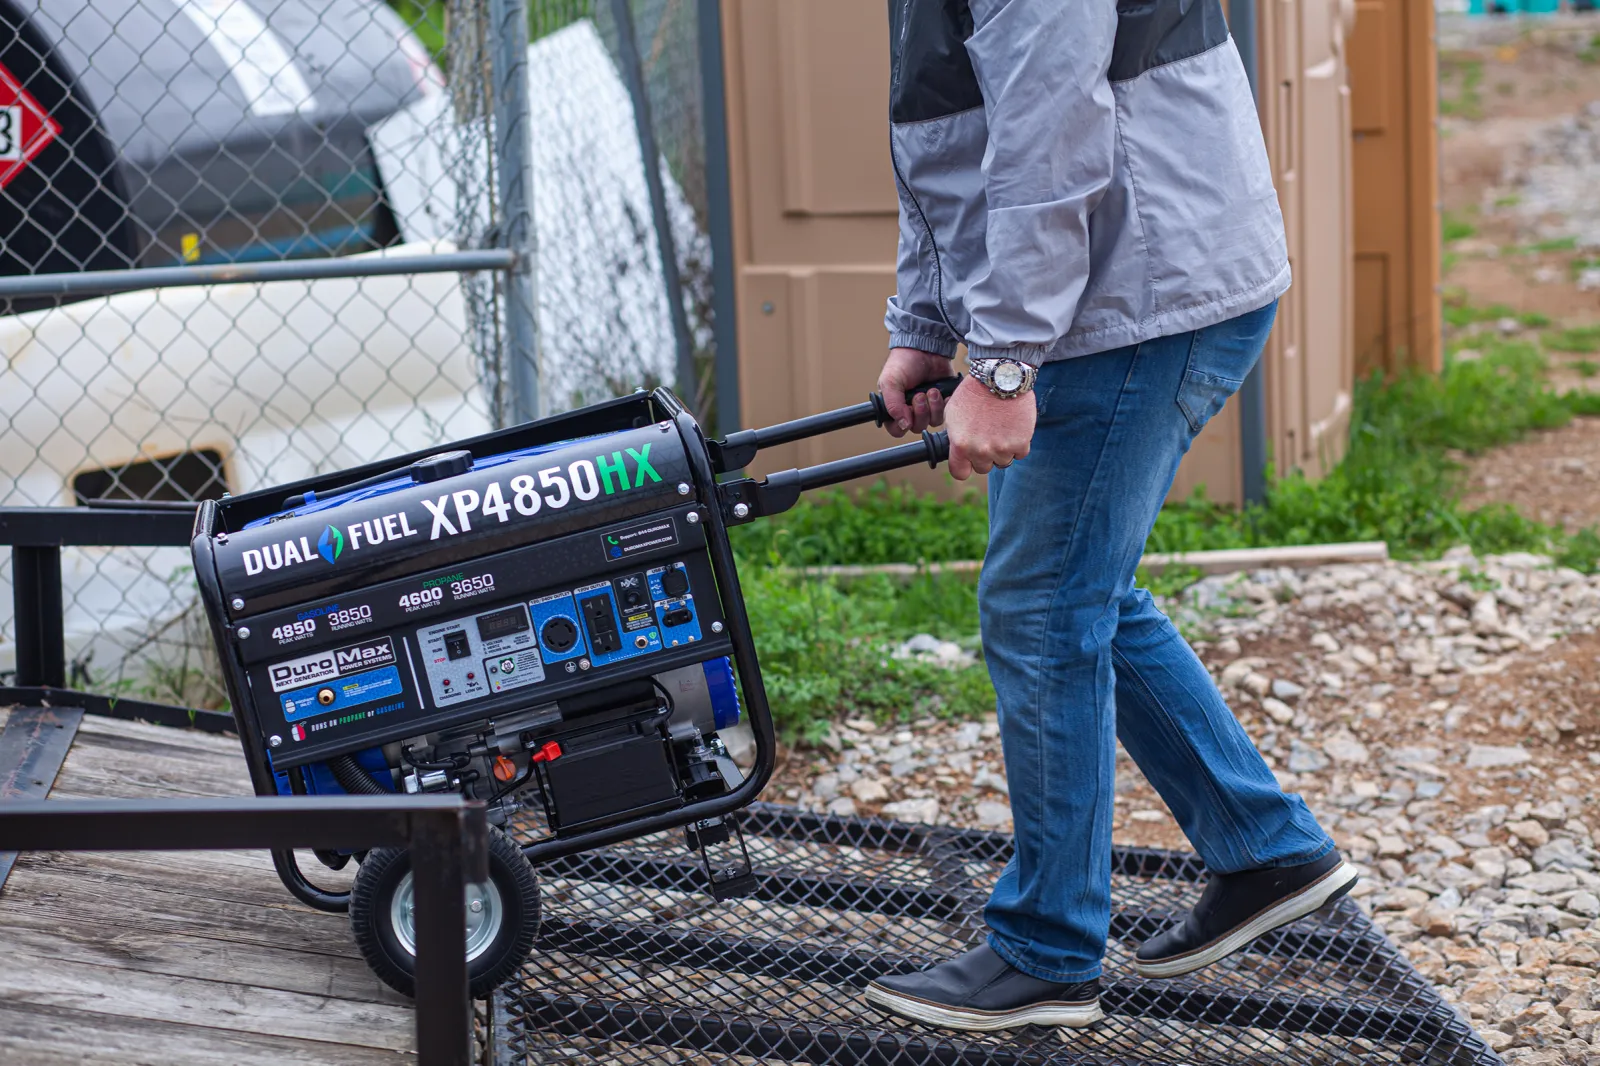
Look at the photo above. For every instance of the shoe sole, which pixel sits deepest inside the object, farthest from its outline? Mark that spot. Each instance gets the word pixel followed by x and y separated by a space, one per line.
pixel 1327 888
pixel 1070 1015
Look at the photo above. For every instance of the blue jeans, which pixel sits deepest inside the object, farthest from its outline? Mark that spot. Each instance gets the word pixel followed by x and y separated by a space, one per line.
pixel 1080 657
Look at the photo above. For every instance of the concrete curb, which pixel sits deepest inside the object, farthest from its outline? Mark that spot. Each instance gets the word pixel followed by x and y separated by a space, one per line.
pixel 1226 561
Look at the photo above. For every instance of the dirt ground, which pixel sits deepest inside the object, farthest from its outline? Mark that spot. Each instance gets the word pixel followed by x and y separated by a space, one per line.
pixel 1519 159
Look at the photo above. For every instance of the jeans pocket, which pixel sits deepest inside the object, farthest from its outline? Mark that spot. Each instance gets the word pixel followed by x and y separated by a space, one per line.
pixel 1202 395
pixel 1219 358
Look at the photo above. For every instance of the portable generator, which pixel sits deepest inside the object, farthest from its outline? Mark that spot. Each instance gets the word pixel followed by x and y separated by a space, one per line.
pixel 546 618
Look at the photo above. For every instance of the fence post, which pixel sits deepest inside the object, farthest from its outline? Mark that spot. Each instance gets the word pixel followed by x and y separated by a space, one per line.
pixel 719 209
pixel 1253 444
pixel 633 73
pixel 513 148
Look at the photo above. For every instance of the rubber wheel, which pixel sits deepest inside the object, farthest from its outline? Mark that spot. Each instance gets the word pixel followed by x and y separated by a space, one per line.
pixel 500 931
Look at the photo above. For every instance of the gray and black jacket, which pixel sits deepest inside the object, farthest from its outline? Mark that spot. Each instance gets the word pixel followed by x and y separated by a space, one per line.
pixel 1074 176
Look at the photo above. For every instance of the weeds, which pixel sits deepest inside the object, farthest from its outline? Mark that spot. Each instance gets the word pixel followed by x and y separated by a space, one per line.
pixel 1581 339
pixel 1457 228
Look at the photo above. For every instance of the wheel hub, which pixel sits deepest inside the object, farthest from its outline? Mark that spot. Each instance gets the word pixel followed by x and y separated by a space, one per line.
pixel 485 913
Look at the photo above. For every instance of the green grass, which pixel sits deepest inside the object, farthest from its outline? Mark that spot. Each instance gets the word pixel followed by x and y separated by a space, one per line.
pixel 1458 312
pixel 1509 200
pixel 1587 368
pixel 1581 339
pixel 426 19
pixel 1457 228
pixel 1461 83
pixel 1558 244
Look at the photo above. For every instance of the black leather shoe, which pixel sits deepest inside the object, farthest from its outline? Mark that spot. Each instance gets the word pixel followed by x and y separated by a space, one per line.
pixel 980 991
pixel 1237 908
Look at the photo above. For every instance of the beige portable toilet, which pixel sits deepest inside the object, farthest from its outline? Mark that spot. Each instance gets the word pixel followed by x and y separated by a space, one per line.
pixel 815 228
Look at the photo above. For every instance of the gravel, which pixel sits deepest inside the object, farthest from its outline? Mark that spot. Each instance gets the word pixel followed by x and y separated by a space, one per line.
pixel 1440 718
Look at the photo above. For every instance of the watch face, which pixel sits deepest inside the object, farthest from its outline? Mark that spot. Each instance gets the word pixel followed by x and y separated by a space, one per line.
pixel 1008 377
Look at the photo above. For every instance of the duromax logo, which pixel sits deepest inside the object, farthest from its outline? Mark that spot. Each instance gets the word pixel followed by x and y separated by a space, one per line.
pixel 330 545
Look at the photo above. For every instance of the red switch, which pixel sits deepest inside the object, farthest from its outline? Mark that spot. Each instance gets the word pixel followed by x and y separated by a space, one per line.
pixel 548 753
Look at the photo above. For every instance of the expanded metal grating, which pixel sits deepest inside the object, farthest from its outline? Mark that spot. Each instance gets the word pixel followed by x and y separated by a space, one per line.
pixel 636 964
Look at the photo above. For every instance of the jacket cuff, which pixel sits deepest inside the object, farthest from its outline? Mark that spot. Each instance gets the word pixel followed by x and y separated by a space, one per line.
pixel 923 342
pixel 1032 354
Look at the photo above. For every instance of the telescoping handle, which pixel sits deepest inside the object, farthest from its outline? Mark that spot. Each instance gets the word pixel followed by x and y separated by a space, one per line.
pixel 747 499
pixel 740 448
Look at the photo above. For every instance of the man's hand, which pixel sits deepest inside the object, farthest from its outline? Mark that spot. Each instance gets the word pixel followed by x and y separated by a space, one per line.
pixel 986 431
pixel 905 369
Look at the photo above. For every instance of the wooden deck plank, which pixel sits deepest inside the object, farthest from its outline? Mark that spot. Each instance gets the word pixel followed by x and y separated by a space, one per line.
pixel 178 957
pixel 44 1035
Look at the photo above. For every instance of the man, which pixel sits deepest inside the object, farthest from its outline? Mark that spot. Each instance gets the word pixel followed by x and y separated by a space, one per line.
pixel 1086 205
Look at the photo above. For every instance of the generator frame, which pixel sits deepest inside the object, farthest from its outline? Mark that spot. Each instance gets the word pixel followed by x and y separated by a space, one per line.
pixel 721 505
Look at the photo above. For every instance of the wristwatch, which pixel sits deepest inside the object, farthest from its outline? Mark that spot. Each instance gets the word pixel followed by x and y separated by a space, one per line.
pixel 1006 378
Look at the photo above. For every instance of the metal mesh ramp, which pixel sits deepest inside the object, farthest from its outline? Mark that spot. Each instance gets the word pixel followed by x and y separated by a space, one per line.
pixel 636 964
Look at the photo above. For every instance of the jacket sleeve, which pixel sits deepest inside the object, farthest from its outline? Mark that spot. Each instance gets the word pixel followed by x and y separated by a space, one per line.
pixel 914 318
pixel 1043 68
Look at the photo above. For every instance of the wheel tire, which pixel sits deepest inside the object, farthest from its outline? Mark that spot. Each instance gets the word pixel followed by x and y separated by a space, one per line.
pixel 372 917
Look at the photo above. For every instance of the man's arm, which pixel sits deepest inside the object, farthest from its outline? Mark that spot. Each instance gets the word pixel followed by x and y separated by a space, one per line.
pixel 1042 66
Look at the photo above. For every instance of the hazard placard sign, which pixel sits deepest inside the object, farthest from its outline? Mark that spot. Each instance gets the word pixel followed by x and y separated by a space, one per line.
pixel 25 127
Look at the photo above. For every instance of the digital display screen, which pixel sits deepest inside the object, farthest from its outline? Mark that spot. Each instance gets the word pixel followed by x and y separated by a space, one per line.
pixel 503 623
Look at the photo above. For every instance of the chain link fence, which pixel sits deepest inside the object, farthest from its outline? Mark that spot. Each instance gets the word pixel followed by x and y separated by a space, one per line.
pixel 342 229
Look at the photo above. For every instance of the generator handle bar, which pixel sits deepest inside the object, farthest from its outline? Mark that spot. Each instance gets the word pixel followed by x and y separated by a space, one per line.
pixel 738 449
pixel 747 499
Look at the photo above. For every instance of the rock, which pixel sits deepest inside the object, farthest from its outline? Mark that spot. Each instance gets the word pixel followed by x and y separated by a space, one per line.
pixel 1436 922
pixel 1496 1040
pixel 914 810
pixel 1346 750
pixel 986 778
pixel 1486 616
pixel 1562 853
pixel 1324 642
pixel 921 644
pixel 1484 756
pixel 826 787
pixel 968 735
pixel 1401 899
pixel 1530 832
pixel 1446 846
pixel 1256 684
pixel 1537 1024
pixel 1545 884
pixel 1553 814
pixel 829 738
pixel 740 741
pixel 1277 710
pixel 1584 903
pixel 993 815
pixel 1304 759
pixel 1287 691
pixel 1363 655
pixel 1236 671
pixel 904 767
pixel 1578 955
pixel 1150 816
pixel 1583 1023
pixel 869 790
pixel 844 807
pixel 1392 847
